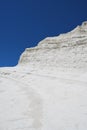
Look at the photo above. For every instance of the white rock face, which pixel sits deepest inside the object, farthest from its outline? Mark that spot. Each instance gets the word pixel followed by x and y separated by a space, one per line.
pixel 47 90
pixel 64 51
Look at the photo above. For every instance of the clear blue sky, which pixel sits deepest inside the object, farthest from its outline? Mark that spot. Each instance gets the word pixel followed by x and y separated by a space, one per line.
pixel 23 23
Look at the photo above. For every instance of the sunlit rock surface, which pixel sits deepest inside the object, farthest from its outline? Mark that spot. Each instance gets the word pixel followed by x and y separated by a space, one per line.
pixel 47 90
pixel 64 51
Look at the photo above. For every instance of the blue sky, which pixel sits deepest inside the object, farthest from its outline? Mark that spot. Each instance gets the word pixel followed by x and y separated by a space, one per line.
pixel 23 23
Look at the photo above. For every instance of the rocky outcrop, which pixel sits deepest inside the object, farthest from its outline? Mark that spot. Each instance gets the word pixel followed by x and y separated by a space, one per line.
pixel 65 51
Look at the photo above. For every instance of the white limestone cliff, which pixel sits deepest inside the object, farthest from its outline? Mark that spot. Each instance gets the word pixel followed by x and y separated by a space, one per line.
pixel 67 50
pixel 47 90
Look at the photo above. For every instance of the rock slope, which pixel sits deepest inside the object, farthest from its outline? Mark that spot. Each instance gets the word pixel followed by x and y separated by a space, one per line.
pixel 47 90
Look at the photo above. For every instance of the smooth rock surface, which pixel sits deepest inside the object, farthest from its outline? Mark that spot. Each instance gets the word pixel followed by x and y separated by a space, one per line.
pixel 47 90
